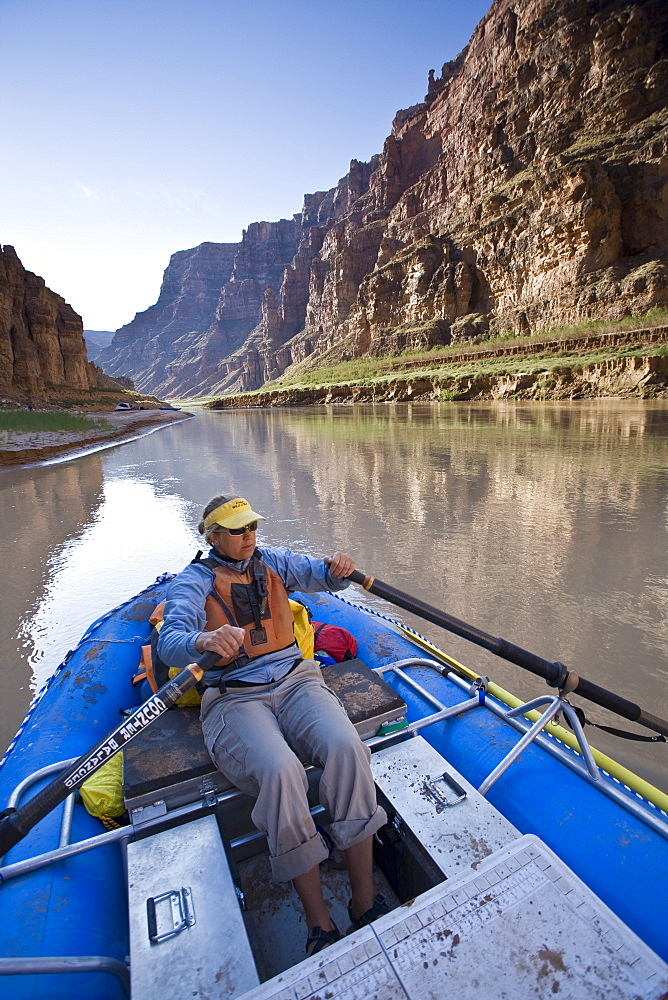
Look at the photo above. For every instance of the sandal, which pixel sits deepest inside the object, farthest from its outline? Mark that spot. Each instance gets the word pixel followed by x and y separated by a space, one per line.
pixel 379 909
pixel 318 939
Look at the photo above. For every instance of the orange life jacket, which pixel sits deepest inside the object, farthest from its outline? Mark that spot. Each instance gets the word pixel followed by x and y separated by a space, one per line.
pixel 152 669
pixel 255 601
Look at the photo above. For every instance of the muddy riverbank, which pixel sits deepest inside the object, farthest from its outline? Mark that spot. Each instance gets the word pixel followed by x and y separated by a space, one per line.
pixel 25 448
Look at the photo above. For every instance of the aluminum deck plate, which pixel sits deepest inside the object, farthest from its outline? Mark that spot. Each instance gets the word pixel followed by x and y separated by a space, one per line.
pixel 522 925
pixel 458 832
pixel 212 956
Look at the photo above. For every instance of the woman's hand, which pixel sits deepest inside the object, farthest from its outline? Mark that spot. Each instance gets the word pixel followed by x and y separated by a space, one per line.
pixel 225 641
pixel 340 565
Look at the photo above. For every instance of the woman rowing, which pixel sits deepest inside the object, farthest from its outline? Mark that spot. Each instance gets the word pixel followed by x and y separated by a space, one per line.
pixel 266 708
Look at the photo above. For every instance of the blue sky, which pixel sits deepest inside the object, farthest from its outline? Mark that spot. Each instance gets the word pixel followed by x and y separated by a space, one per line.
pixel 135 128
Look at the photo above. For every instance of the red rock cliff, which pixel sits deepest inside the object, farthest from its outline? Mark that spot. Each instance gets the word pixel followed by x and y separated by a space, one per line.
pixel 42 349
pixel 530 188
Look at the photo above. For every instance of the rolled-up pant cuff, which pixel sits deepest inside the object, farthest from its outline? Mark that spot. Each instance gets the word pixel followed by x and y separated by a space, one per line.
pixel 348 832
pixel 299 860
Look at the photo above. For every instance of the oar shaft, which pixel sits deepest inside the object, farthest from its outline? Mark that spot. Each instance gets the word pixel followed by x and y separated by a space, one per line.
pixel 501 647
pixel 16 824
pixel 553 673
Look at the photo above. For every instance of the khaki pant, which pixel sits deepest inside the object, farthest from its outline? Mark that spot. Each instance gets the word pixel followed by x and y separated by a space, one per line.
pixel 256 737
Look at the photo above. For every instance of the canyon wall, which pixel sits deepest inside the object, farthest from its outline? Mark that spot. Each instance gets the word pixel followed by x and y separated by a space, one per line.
pixel 42 350
pixel 528 189
pixel 96 341
pixel 170 329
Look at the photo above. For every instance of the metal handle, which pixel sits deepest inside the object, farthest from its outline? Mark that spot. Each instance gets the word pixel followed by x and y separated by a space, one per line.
pixel 181 912
pixel 452 783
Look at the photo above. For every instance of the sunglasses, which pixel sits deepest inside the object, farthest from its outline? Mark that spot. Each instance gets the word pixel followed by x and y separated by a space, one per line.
pixel 239 531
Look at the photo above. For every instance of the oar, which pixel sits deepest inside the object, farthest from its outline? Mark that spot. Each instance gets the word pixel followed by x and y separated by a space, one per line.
pixel 556 674
pixel 16 823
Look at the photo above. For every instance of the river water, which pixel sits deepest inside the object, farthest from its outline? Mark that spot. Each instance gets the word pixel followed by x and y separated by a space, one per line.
pixel 543 523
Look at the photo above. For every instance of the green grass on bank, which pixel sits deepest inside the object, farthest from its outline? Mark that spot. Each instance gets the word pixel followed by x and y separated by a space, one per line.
pixel 548 366
pixel 444 373
pixel 439 365
pixel 36 421
pixel 361 369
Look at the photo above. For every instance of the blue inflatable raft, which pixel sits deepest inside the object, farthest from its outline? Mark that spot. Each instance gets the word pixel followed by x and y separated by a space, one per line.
pixel 562 851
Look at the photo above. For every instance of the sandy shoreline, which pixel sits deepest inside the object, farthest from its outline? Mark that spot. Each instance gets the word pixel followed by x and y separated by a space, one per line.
pixel 30 447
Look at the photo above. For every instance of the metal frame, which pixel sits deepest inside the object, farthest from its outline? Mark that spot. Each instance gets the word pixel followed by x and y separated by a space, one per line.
pixel 64 964
pixel 632 803
pixel 43 965
pixel 68 805
pixel 476 690
pixel 555 705
pixel 442 711
pixel 126 833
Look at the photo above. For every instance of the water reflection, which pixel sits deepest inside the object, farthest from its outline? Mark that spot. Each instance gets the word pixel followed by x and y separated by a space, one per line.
pixel 40 511
pixel 74 544
pixel 129 524
pixel 543 523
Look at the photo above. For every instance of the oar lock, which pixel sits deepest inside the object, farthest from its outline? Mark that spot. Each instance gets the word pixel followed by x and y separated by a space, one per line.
pixel 479 686
pixel 567 680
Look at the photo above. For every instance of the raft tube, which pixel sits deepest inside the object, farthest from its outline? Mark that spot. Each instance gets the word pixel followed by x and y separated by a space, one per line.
pixel 76 907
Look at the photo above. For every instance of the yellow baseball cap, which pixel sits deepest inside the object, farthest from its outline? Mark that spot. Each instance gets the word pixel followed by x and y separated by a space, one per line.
pixel 235 513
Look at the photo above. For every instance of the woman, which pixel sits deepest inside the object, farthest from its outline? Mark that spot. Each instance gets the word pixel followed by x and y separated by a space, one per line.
pixel 266 708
